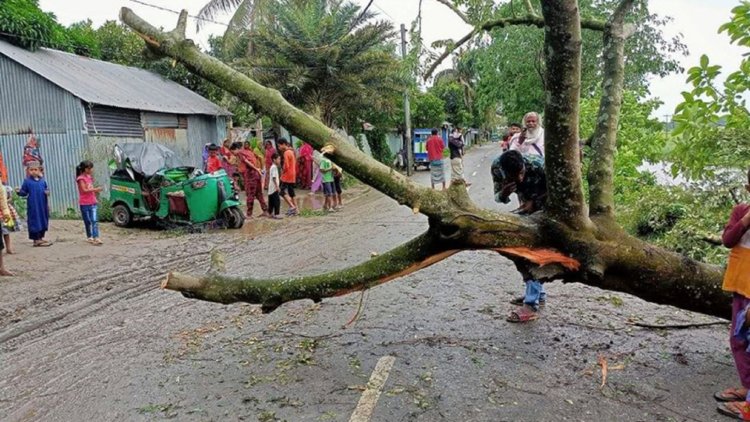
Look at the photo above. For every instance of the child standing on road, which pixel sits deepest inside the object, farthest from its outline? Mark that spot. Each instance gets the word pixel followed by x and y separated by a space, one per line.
pixel 274 200
pixel 338 175
pixel 36 191
pixel 13 224
pixel 7 220
pixel 734 401
pixel 87 200
pixel 326 168
pixel 288 175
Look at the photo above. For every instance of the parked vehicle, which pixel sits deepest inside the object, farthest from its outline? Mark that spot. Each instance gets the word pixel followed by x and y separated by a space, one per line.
pixel 150 182
pixel 419 145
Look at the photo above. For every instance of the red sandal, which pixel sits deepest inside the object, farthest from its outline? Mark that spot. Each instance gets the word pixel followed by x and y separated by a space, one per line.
pixel 739 410
pixel 522 314
pixel 731 394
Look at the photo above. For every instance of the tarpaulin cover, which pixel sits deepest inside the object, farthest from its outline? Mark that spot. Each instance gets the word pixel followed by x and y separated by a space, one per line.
pixel 147 158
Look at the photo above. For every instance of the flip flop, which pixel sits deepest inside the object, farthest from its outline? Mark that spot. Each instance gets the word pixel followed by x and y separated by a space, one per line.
pixel 739 410
pixel 522 314
pixel 730 394
pixel 42 244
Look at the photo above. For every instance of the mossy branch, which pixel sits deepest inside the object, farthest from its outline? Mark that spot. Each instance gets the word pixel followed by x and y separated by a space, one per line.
pixel 604 139
pixel 412 256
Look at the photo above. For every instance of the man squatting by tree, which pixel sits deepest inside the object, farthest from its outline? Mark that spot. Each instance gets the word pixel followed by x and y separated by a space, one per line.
pixel 524 175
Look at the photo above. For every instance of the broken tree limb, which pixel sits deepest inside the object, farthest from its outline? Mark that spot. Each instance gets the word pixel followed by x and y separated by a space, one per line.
pixel 677 326
pixel 609 257
pixel 412 256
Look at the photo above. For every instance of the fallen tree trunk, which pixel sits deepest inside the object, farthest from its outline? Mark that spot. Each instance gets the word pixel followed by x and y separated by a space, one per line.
pixel 609 257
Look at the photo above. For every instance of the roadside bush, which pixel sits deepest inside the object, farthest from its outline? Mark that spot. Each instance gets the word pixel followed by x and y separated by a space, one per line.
pixel 658 218
pixel 685 220
pixel 104 210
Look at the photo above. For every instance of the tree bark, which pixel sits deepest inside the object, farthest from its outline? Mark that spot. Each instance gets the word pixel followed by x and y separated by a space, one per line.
pixel 562 49
pixel 604 139
pixel 609 258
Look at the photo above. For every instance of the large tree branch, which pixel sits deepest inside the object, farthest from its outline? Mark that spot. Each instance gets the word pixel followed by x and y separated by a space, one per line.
pixel 660 276
pixel 562 49
pixel 604 139
pixel 270 102
pixel 412 256
pixel 609 258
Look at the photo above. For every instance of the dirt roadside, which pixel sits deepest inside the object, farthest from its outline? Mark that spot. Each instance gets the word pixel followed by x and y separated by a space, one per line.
pixel 85 333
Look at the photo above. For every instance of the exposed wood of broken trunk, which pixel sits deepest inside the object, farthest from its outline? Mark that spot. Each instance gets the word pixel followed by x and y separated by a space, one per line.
pixel 610 258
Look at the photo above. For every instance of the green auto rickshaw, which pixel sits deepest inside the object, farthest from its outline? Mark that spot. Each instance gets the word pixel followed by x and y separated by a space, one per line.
pixel 149 182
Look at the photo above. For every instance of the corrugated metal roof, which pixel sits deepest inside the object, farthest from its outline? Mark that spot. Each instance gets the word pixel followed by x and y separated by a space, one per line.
pixel 98 82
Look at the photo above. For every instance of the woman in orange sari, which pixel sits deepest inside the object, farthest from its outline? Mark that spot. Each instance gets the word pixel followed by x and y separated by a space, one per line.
pixel 734 401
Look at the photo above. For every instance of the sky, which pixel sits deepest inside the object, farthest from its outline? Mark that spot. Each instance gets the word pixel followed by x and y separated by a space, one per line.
pixel 696 20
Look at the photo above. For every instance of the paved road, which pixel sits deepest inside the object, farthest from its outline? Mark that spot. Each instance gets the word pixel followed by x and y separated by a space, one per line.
pixel 103 343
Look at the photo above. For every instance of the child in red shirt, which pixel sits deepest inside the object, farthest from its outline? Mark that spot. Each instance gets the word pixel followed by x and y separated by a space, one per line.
pixel 213 163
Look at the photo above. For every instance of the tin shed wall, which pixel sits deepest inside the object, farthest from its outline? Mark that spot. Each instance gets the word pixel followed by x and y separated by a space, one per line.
pixel 61 154
pixel 204 130
pixel 29 102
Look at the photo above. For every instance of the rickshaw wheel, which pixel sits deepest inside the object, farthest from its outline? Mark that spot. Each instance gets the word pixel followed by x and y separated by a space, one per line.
pixel 234 218
pixel 121 215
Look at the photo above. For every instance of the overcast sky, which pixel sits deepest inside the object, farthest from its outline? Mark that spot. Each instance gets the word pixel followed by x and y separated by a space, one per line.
pixel 697 20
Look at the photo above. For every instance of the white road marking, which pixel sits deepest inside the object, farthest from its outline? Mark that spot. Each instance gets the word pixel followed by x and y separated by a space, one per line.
pixel 366 405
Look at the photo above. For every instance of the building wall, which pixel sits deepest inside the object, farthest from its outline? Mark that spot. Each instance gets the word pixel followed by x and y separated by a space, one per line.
pixel 28 103
pixel 68 132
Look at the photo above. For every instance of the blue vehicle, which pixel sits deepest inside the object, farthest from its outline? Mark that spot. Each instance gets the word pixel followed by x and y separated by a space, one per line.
pixel 419 147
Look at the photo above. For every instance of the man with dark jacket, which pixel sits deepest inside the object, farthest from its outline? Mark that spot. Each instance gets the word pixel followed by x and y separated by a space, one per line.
pixel 456 145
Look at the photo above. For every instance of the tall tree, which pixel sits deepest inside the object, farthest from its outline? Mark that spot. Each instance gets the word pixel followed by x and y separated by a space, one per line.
pixel 713 122
pixel 332 60
pixel 509 60
pixel 608 257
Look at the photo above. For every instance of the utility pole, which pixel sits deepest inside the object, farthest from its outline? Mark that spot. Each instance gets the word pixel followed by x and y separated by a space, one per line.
pixel 407 113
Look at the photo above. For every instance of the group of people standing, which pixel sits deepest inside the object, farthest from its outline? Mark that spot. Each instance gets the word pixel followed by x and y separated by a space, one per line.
pixel 36 192
pixel 277 172
pixel 435 155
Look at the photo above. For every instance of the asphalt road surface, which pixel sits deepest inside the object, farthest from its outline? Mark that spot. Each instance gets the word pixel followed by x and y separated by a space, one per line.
pixel 87 335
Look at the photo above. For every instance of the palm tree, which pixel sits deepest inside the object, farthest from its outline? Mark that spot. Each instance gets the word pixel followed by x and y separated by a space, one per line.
pixel 327 57
pixel 246 15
